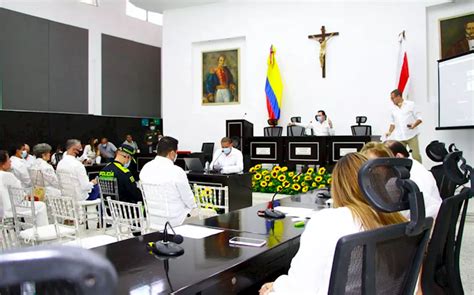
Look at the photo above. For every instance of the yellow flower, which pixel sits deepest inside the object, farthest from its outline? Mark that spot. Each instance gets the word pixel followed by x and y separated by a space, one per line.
pixel 258 176
pixel 329 180
pixel 258 166
pixel 253 183
pixel 296 186
pixel 267 178
pixel 305 189
pixel 284 169
pixel 321 186
pixel 270 184
pixel 286 184
pixel 314 184
pixel 279 188
pixel 318 178
pixel 291 174
pixel 274 174
pixel 304 184
pixel 297 179
pixel 307 177
pixel 276 168
pixel 265 172
pixel 282 177
pixel 310 170
pixel 252 170
pixel 321 171
pixel 263 184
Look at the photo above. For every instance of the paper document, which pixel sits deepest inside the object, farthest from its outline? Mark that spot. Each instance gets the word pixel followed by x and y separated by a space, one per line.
pixel 295 211
pixel 195 231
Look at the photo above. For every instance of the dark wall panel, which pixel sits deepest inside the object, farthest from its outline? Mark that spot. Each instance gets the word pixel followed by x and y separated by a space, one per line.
pixel 131 78
pixel 68 68
pixel 24 61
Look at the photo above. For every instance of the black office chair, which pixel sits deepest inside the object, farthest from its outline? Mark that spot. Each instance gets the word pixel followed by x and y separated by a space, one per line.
pixel 295 130
pixel 436 151
pixel 361 130
pixel 386 260
pixel 207 149
pixel 56 270
pixel 272 131
pixel 441 274
pixel 295 119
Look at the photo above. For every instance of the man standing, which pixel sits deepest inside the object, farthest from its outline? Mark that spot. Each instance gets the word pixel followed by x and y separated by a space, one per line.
pixel 405 119
pixel 107 150
pixel 118 169
pixel 173 182
pixel 228 159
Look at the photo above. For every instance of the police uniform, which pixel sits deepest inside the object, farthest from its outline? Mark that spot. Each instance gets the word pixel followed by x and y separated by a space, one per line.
pixel 127 187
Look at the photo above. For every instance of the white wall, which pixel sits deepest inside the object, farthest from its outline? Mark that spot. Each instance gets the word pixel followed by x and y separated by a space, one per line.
pixel 361 63
pixel 109 18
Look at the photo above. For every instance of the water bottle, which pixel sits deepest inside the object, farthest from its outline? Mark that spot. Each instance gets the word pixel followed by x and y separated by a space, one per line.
pixel 206 167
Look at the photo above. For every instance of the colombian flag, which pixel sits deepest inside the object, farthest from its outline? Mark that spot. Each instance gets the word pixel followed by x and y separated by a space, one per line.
pixel 273 87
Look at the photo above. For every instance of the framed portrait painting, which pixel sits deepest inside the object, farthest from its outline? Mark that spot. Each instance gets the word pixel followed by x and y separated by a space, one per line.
pixel 220 77
pixel 456 35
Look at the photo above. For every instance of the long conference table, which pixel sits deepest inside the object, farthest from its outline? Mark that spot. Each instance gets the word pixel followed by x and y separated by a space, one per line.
pixel 210 265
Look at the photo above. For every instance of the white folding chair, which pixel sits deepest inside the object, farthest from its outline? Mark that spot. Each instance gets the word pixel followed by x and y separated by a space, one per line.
pixel 107 188
pixel 65 215
pixel 156 204
pixel 128 218
pixel 211 200
pixel 8 237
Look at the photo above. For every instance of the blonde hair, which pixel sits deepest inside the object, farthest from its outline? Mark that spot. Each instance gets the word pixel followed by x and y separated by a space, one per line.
pixel 377 149
pixel 346 192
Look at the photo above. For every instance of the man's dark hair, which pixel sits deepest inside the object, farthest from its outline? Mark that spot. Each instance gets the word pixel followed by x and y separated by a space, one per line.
pixel 166 145
pixel 397 148
pixel 321 111
pixel 3 156
pixel 226 139
pixel 15 147
pixel 396 92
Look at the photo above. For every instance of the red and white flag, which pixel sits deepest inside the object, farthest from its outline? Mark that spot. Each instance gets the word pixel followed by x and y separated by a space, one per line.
pixel 403 73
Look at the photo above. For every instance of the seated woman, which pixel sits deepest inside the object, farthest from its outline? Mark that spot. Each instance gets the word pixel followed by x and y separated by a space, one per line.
pixel 91 154
pixel 42 174
pixel 310 269
pixel 7 179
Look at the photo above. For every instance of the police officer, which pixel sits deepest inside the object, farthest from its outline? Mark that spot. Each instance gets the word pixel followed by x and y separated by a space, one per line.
pixel 127 187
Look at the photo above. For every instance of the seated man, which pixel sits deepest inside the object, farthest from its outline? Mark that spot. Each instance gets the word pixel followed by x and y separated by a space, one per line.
pixel 162 171
pixel 118 169
pixel 19 166
pixel 71 166
pixel 107 150
pixel 321 127
pixel 228 159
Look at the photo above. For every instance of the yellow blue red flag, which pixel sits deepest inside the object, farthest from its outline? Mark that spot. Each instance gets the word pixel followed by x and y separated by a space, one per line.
pixel 273 87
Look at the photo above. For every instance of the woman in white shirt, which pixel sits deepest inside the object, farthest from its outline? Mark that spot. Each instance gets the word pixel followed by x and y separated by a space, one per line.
pixel 7 179
pixel 310 269
pixel 42 173
pixel 91 154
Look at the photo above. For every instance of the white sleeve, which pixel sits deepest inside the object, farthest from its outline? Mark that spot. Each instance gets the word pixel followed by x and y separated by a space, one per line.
pixel 81 175
pixel 23 176
pixel 185 191
pixel 50 177
pixel 416 113
pixel 114 148
pixel 215 157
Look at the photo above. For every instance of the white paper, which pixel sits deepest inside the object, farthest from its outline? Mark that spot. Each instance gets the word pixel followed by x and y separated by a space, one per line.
pixel 303 151
pixel 345 151
pixel 195 231
pixel 296 211
pixel 263 151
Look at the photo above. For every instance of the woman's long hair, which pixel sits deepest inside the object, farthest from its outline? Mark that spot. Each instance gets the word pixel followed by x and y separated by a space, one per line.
pixel 346 192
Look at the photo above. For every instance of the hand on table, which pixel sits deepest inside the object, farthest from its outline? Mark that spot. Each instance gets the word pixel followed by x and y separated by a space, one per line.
pixel 266 289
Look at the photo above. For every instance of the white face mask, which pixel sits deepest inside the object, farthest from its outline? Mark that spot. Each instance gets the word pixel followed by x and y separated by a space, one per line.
pixel 104 145
pixel 24 154
pixel 226 150
pixel 126 165
pixel 175 157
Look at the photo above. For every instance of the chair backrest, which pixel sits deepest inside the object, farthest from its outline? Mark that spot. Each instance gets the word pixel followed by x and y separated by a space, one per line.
pixel 361 119
pixel 361 130
pixel 445 186
pixel 79 270
pixel 64 209
pixel 156 204
pixel 127 217
pixel 208 150
pixel 387 259
pixel 109 188
pixel 272 131
pixel 36 176
pixel 23 209
pixel 295 130
pixel 69 185
pixel 8 237
pixel 295 119
pixel 212 197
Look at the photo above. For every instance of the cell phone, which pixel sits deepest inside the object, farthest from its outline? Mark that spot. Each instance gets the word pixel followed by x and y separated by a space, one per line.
pixel 247 242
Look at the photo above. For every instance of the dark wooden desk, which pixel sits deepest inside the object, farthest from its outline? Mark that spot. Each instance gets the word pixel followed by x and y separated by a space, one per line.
pixel 240 186
pixel 93 170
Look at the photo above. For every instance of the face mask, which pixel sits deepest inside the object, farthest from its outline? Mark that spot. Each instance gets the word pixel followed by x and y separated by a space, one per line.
pixel 104 145
pixel 226 150
pixel 175 157
pixel 126 165
pixel 24 154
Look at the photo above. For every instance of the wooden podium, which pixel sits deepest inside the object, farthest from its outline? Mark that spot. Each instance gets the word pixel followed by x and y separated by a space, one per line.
pixel 240 131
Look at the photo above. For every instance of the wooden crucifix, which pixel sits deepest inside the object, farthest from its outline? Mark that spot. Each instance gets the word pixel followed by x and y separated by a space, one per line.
pixel 323 38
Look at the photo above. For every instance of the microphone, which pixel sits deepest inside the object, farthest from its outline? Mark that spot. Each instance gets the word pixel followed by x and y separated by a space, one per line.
pixel 214 162
pixel 169 245
pixel 271 212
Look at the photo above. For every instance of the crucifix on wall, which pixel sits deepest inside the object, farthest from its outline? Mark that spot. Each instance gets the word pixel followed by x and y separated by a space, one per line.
pixel 323 39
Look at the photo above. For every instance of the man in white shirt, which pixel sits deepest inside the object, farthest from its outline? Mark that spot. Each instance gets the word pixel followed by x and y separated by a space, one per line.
pixel 19 166
pixel 30 159
pixel 321 127
pixel 405 119
pixel 171 178
pixel 227 159
pixel 70 166
pixel 422 177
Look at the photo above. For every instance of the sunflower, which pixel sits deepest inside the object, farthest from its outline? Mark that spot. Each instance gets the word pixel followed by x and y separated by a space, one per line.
pixel 282 177
pixel 270 184
pixel 297 179
pixel 253 183
pixel 258 176
pixel 284 169
pixel 314 184
pixel 329 180
pixel 252 170
pixel 267 178
pixel 263 184
pixel 321 186
pixel 276 168
pixel 296 187
pixel 318 178
pixel 286 184
pixel 321 171
pixel 265 172
pixel 274 174
pixel 304 184
pixel 305 189
pixel 258 166
pixel 279 188
pixel 310 170
pixel 291 174
pixel 308 177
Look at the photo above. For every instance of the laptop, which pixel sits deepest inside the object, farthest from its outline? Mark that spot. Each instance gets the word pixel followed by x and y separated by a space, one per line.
pixel 193 164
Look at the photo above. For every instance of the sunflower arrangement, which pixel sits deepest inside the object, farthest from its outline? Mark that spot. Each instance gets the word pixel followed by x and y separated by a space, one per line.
pixel 279 179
